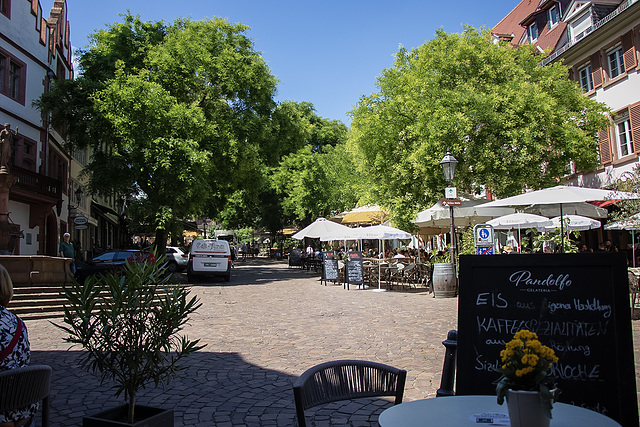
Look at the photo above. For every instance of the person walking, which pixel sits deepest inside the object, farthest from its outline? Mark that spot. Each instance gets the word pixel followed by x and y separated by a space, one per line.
pixel 66 251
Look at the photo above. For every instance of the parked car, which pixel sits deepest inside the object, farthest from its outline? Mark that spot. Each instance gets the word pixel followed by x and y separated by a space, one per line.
pixel 108 262
pixel 209 257
pixel 176 259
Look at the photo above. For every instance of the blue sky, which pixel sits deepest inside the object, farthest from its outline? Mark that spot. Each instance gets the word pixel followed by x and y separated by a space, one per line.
pixel 326 52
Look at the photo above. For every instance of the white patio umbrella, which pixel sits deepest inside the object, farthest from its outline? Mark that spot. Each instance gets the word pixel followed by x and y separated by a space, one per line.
pixel 319 228
pixel 469 213
pixel 561 195
pixel 575 222
pixel 630 224
pixel 518 221
pixel 579 208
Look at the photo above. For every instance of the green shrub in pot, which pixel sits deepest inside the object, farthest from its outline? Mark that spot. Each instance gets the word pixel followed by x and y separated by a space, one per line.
pixel 128 323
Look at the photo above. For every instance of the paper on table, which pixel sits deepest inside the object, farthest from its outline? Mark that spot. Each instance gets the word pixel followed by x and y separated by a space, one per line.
pixel 490 418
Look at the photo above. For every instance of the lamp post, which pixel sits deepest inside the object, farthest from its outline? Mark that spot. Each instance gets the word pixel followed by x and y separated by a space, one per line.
pixel 449 164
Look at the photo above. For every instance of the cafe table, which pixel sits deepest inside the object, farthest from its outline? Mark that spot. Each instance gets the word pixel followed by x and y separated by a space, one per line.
pixel 454 411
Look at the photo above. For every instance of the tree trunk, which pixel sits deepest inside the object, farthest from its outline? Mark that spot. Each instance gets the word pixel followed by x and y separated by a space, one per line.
pixel 132 405
pixel 161 241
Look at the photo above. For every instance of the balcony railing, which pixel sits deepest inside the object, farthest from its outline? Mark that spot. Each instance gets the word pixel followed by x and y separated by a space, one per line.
pixel 38 183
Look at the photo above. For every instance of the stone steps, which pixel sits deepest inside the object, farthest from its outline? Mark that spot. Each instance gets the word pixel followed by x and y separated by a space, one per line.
pixel 40 302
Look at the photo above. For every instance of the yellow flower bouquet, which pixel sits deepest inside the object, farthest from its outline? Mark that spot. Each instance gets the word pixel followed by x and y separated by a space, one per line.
pixel 525 366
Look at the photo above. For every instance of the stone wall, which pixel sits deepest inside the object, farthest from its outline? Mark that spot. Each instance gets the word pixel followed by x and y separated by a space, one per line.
pixel 37 270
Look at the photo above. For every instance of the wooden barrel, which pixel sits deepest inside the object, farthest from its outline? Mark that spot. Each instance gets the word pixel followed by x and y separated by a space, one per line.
pixel 444 280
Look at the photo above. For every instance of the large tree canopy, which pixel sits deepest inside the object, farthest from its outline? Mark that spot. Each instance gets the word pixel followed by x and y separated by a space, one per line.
pixel 318 177
pixel 175 114
pixel 510 123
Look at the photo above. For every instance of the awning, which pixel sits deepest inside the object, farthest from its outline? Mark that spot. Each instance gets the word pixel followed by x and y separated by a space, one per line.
pixel 604 203
pixel 368 214
pixel 106 212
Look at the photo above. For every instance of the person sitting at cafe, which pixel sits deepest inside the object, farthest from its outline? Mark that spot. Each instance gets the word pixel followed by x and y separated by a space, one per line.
pixel 610 247
pixel 15 350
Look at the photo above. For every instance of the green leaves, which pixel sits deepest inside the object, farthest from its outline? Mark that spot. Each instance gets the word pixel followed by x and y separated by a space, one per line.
pixel 129 324
pixel 510 123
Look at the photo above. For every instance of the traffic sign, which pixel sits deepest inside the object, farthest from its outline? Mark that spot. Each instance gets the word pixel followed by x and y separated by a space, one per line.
pixel 483 235
pixel 484 250
pixel 452 202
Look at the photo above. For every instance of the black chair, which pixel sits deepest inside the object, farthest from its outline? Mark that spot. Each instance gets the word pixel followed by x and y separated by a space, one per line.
pixel 24 386
pixel 346 379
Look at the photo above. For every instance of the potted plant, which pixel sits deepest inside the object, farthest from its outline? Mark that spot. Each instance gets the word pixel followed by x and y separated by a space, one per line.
pixel 128 323
pixel 525 381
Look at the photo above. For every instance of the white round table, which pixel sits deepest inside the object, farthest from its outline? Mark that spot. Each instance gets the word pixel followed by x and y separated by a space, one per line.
pixel 453 411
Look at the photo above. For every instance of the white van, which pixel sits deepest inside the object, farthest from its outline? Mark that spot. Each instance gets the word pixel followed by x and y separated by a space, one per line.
pixel 209 257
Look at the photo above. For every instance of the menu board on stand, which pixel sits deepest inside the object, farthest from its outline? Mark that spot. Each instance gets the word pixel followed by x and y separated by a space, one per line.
pixel 295 258
pixel 329 267
pixel 577 304
pixel 354 269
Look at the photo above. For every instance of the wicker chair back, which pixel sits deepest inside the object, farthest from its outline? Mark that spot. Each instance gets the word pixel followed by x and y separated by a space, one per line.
pixel 346 379
pixel 26 385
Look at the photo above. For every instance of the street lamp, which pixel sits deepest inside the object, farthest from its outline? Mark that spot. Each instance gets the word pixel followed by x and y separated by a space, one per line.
pixel 449 164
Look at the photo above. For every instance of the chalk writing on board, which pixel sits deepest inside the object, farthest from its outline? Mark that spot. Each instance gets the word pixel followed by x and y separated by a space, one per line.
pixel 571 328
pixel 577 304
pixel 330 266
pixel 354 268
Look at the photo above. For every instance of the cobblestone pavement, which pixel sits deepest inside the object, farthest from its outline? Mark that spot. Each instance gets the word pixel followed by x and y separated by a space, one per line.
pixel 262 330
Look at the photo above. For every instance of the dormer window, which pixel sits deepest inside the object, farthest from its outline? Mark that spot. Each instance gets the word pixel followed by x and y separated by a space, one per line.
pixel 532 31
pixel 553 16
pixel 580 27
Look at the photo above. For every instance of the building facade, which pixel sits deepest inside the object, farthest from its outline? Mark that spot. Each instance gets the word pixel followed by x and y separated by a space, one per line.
pixel 598 40
pixel 49 196
pixel 34 50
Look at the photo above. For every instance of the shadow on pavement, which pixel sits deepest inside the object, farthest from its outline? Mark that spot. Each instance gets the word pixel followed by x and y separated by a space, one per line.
pixel 212 389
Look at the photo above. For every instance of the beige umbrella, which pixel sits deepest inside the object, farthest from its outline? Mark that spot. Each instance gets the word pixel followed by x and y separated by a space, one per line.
pixel 368 214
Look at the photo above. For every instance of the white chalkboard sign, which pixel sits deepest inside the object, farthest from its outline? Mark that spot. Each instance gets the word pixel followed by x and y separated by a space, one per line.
pixel 577 304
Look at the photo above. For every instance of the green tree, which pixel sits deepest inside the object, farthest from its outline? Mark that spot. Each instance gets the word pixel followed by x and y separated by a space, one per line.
pixel 510 123
pixel 182 135
pixel 298 150
pixel 314 184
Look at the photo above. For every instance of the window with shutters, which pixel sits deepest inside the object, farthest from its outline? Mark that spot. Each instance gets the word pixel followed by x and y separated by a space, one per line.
pixel 586 78
pixel 634 121
pixel 629 50
pixel 624 139
pixel 616 62
pixel 605 148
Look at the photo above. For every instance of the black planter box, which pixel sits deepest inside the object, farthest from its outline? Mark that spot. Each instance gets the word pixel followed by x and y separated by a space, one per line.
pixel 146 416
